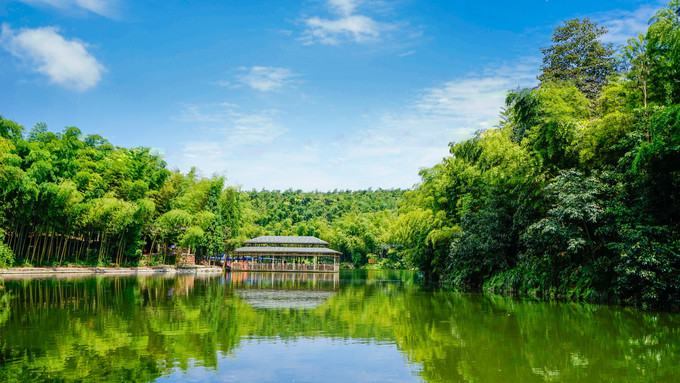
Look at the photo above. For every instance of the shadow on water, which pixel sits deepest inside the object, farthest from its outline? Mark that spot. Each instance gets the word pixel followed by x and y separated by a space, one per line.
pixel 362 325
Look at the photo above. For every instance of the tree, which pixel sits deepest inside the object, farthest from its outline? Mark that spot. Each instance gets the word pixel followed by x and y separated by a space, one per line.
pixel 577 55
pixel 664 49
pixel 636 55
pixel 10 129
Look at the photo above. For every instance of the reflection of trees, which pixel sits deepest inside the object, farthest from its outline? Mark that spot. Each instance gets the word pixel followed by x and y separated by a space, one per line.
pixel 114 328
pixel 4 304
pixel 458 337
pixel 122 328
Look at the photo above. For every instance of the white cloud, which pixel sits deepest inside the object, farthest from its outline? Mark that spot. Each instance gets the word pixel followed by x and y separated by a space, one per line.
pixel 218 112
pixel 248 145
pixel 105 8
pixel 202 150
pixel 345 7
pixel 385 149
pixel 253 129
pixel 64 62
pixel 347 26
pixel 467 99
pixel 267 79
pixel 476 99
pixel 624 25
pixel 231 127
pixel 391 150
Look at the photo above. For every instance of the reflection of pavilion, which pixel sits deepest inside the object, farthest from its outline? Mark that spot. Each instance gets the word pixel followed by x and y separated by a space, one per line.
pixel 283 290
pixel 286 253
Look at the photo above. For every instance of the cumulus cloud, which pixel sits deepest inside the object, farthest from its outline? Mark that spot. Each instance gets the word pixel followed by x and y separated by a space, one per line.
pixel 266 78
pixel 64 62
pixel 347 25
pixel 105 8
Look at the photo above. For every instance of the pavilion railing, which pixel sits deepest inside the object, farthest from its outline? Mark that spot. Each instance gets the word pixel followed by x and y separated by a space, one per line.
pixel 262 266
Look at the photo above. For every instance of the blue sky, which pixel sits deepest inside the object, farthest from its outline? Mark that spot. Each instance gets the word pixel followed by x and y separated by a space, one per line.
pixel 318 94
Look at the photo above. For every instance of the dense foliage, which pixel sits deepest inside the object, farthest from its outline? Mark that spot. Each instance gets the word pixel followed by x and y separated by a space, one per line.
pixel 76 198
pixel 356 223
pixel 575 193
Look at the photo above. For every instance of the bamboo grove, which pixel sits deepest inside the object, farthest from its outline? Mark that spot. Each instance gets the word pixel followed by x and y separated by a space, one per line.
pixel 76 198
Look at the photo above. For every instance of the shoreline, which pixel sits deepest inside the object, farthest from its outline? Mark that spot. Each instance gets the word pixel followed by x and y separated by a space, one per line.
pixel 142 270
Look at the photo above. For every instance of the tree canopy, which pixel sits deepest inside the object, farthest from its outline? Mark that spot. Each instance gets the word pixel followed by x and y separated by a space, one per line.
pixel 577 55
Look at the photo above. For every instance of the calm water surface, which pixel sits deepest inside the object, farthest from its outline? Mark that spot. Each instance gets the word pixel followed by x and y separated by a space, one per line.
pixel 360 326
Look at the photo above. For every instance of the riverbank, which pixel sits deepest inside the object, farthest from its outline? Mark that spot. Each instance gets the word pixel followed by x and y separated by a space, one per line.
pixel 30 271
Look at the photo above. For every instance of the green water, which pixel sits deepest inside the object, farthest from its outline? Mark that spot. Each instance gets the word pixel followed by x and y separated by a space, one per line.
pixel 359 326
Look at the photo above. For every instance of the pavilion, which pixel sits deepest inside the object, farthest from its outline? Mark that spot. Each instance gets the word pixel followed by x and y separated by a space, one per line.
pixel 285 253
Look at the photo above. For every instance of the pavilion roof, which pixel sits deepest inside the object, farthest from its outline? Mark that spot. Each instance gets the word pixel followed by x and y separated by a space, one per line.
pixel 286 240
pixel 287 250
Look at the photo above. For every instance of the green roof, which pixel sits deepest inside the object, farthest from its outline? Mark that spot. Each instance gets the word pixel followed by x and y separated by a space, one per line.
pixel 272 250
pixel 286 240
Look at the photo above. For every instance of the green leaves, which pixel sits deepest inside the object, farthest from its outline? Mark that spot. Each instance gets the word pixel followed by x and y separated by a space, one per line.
pixel 6 254
pixel 10 130
pixel 577 55
pixel 663 48
pixel 648 267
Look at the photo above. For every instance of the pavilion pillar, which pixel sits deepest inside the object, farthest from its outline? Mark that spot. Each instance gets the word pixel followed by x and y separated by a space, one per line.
pixel 315 263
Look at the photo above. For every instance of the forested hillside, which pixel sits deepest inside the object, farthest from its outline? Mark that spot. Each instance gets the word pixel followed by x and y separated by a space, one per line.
pixel 575 193
pixel 356 223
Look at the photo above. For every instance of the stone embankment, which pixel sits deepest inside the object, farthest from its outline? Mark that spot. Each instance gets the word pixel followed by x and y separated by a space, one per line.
pixel 54 271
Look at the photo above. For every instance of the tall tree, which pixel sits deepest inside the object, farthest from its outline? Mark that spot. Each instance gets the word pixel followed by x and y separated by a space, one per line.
pixel 639 63
pixel 577 55
pixel 663 38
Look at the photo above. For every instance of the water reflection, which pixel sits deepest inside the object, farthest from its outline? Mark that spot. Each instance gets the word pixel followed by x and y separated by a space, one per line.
pixel 283 290
pixel 283 281
pixel 384 324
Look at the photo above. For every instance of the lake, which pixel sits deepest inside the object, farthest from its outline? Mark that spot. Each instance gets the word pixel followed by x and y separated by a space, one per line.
pixel 358 326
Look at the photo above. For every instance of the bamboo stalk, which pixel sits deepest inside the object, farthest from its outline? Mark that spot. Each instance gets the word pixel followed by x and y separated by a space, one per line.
pixel 87 249
pixel 50 249
pixel 20 245
pixel 35 240
pixel 79 247
pixel 64 240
